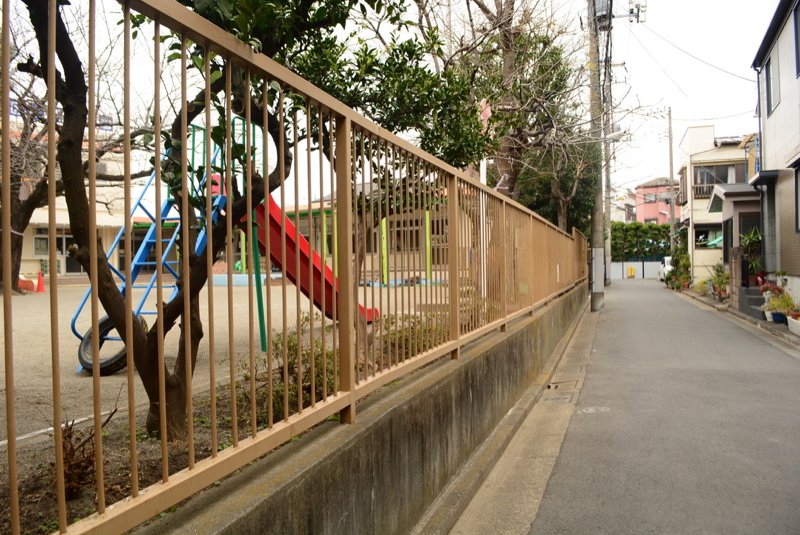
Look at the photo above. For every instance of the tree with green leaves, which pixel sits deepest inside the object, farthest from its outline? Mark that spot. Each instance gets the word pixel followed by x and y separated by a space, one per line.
pixel 29 127
pixel 392 84
pixel 636 240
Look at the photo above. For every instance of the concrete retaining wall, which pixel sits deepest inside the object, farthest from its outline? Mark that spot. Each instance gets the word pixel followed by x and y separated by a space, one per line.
pixel 380 474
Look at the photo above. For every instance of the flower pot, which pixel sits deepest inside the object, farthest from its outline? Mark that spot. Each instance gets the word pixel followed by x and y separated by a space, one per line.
pixel 794 326
pixel 778 317
pixel 768 315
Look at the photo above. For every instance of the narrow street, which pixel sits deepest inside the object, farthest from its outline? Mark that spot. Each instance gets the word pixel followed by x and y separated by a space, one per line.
pixel 683 420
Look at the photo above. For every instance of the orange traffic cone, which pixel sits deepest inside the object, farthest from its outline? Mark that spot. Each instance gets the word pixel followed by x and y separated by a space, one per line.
pixel 40 283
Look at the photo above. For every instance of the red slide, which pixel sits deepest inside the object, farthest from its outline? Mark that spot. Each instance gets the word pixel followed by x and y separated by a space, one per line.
pixel 324 279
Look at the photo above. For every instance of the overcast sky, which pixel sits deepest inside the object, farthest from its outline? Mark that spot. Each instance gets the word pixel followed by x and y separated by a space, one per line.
pixel 659 71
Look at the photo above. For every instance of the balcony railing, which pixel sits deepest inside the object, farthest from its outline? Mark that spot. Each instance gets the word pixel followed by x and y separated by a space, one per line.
pixel 703 191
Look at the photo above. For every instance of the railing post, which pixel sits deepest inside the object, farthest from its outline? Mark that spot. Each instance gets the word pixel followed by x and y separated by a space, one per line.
pixel 504 266
pixel 344 232
pixel 453 254
pixel 532 265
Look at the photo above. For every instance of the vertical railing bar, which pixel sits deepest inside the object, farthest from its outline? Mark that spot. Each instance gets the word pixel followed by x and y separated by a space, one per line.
pixel 361 269
pixel 229 251
pixel 504 274
pixel 444 300
pixel 58 432
pixel 384 207
pixel 435 302
pixel 129 345
pixel 403 224
pixel 162 381
pixel 92 179
pixel 422 238
pixel 459 241
pixel 372 191
pixel 453 245
pixel 285 312
pixel 344 231
pixel 250 245
pixel 532 262
pixel 323 217
pixel 268 253
pixel 429 177
pixel 477 273
pixel 298 313
pixel 469 239
pixel 333 142
pixel 186 256
pixel 419 288
pixel 413 251
pixel 396 264
pixel 210 245
pixel 382 260
pixel 414 246
pixel 444 325
pixel 8 324
pixel 312 248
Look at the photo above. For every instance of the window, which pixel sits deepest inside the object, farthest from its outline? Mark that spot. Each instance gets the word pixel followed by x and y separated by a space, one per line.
pixel 771 86
pixel 705 176
pixel 649 197
pixel 41 242
pixel 708 237
pixel 651 220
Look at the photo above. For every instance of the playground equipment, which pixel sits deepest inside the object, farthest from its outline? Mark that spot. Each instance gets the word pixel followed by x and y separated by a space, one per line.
pixel 322 275
pixel 312 267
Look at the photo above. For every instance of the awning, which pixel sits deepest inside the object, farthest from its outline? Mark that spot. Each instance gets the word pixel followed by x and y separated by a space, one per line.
pixel 731 193
pixel 765 178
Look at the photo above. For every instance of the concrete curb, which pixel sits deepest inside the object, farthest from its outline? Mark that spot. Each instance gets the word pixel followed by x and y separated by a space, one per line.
pixel 443 514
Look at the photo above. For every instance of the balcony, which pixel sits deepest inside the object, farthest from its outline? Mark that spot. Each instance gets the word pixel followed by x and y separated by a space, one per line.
pixel 703 191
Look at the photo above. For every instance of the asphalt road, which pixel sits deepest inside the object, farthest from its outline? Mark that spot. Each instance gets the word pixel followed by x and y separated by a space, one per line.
pixel 683 420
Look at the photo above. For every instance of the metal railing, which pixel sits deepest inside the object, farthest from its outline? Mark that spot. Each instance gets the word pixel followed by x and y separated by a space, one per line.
pixel 703 191
pixel 418 260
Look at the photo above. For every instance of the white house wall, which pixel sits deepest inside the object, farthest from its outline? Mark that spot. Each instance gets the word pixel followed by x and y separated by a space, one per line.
pixel 780 129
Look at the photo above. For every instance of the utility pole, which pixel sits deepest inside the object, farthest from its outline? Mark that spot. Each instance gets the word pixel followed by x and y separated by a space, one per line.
pixel 595 111
pixel 608 106
pixel 672 196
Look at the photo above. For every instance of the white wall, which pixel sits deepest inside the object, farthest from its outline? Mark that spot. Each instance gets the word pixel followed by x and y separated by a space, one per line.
pixel 781 128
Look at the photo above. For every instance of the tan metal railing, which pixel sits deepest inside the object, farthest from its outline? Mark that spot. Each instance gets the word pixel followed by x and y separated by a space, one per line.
pixel 413 259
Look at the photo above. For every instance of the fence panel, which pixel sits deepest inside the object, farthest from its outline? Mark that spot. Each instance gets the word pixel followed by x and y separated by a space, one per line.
pixel 285 258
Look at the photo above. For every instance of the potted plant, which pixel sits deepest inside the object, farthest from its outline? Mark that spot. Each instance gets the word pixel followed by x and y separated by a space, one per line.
pixel 781 305
pixel 750 244
pixel 768 289
pixel 719 281
pixel 794 322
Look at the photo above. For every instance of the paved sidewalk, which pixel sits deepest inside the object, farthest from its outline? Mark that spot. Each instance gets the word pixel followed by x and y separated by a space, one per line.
pixel 687 421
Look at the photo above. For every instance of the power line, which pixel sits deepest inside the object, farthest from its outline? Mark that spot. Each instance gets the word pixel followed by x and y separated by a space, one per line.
pixel 698 59
pixel 660 67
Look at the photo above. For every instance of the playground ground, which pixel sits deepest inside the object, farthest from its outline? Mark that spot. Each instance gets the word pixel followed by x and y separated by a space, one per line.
pixel 33 362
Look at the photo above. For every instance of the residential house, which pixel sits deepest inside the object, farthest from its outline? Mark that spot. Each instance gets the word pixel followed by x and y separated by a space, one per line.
pixel 708 161
pixel 653 200
pixel 623 206
pixel 777 64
